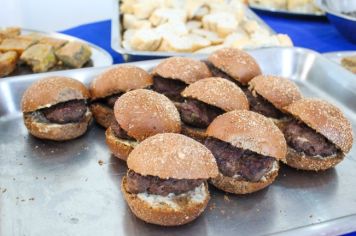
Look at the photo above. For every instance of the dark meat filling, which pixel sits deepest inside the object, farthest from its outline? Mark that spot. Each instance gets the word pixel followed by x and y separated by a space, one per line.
pixel 302 138
pixel 216 72
pixel 236 161
pixel 119 132
pixel 260 105
pixel 108 101
pixel 169 87
pixel 197 113
pixel 66 112
pixel 137 183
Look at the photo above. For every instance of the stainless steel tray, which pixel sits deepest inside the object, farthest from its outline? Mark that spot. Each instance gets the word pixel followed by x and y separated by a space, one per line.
pixel 50 188
pixel 337 56
pixel 132 55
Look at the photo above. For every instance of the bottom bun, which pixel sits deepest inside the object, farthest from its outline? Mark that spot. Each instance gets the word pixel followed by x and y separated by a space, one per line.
pixel 301 161
pixel 57 132
pixel 103 115
pixel 163 213
pixel 236 186
pixel 194 133
pixel 121 148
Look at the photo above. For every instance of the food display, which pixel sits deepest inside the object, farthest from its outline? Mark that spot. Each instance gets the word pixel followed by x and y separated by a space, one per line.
pixel 192 26
pixel 349 63
pixel 295 6
pixel 34 53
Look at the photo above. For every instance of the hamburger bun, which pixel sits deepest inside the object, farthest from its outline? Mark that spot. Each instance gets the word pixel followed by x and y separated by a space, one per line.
pixel 279 91
pixel 184 69
pixel 197 134
pixel 120 148
pixel 326 120
pixel 103 115
pixel 236 63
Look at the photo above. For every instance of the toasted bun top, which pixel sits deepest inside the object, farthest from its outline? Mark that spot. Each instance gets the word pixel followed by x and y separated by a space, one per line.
pixel 50 91
pixel 173 156
pixel 180 68
pixel 236 63
pixel 277 90
pixel 143 113
pixel 251 131
pixel 218 92
pixel 326 119
pixel 119 79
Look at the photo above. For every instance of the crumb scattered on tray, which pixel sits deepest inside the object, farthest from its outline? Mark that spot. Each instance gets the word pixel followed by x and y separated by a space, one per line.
pixel 226 198
pixel 222 212
pixel 4 190
pixel 212 206
pixel 31 199
pixel 101 162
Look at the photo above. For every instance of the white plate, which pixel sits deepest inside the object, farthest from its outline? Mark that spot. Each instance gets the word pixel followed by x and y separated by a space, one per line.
pixel 337 56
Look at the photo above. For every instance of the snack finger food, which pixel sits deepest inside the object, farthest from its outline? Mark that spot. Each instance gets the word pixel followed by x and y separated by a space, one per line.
pixel 247 147
pixel 55 108
pixel 166 181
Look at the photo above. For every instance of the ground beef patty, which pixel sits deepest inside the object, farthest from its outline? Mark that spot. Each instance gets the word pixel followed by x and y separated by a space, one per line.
pixel 219 73
pixel 119 132
pixel 108 101
pixel 169 87
pixel 236 161
pixel 302 138
pixel 66 112
pixel 198 114
pixel 137 183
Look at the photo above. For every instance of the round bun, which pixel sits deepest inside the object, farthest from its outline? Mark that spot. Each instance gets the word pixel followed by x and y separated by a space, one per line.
pixel 121 78
pixel 236 63
pixel 102 114
pixel 279 91
pixel 218 92
pixel 301 161
pixel 119 147
pixel 236 186
pixel 326 119
pixel 172 156
pixel 194 133
pixel 165 215
pixel 180 68
pixel 57 132
pixel 251 131
pixel 143 113
pixel 50 91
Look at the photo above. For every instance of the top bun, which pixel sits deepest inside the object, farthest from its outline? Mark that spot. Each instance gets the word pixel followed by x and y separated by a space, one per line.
pixel 50 91
pixel 236 63
pixel 251 131
pixel 277 90
pixel 119 79
pixel 143 113
pixel 326 119
pixel 218 92
pixel 172 156
pixel 181 68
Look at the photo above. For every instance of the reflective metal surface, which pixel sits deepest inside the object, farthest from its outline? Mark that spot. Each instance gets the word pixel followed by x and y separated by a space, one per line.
pixel 50 188
pixel 337 56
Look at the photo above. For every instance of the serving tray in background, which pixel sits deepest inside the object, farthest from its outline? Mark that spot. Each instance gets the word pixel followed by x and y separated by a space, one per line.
pixel 73 188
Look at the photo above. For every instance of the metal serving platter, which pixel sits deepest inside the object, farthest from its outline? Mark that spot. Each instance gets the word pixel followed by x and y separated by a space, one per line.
pixel 99 56
pixel 53 188
pixel 337 56
pixel 283 12
pixel 132 55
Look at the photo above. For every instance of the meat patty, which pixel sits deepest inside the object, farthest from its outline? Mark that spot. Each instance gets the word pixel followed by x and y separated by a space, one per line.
pixel 169 87
pixel 260 105
pixel 216 72
pixel 108 101
pixel 197 113
pixel 302 138
pixel 137 183
pixel 66 112
pixel 233 161
pixel 119 132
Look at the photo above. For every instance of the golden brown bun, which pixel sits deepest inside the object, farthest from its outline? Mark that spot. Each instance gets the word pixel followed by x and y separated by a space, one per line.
pixel 251 131
pixel 236 63
pixel 194 133
pixel 103 115
pixel 218 92
pixel 52 90
pixel 304 162
pixel 165 215
pixel 57 132
pixel 279 91
pixel 326 119
pixel 119 147
pixel 180 68
pixel 121 78
pixel 173 156
pixel 143 113
pixel 233 185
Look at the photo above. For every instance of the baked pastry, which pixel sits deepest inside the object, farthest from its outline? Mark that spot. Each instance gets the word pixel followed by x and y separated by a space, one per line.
pixel 7 63
pixel 349 63
pixel 16 44
pixel 74 54
pixel 40 57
